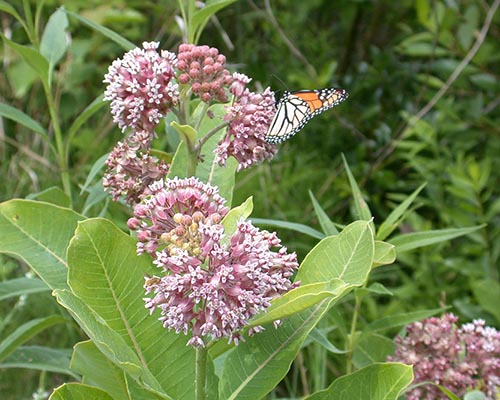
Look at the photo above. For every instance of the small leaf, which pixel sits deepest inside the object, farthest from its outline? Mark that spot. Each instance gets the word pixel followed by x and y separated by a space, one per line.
pixel 54 42
pixel 375 382
pixel 78 391
pixel 33 58
pixel 187 133
pixel 362 210
pixel 201 17
pixel 25 332
pixel 293 226
pixel 17 115
pixel 394 218
pixel 234 215
pixel 115 37
pixel 301 298
pixel 372 348
pixel 21 286
pixel 53 195
pixel 385 253
pixel 317 336
pixel 415 240
pixel 378 288
pixel 90 110
pixel 326 223
pixel 40 358
pixel 96 168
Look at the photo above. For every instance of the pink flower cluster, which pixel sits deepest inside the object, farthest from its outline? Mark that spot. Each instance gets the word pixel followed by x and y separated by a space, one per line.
pixel 205 69
pixel 460 359
pixel 211 282
pixel 249 119
pixel 140 87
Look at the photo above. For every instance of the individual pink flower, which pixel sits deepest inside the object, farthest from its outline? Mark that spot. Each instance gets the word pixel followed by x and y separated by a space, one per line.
pixel 140 87
pixel 211 283
pixel 460 359
pixel 131 169
pixel 249 119
pixel 205 70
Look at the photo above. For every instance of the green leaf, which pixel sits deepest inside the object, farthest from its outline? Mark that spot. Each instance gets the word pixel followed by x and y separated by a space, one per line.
pixel 208 169
pixel 375 382
pixel 186 132
pixel 263 360
pixel 78 391
pixel 326 223
pixel 372 348
pixel 395 217
pixel 21 286
pixel 385 253
pixel 398 320
pixel 6 7
pixel 54 42
pixel 301 298
pixel 39 234
pixel 487 293
pixel 109 341
pixel 475 395
pixel 317 336
pixel 201 17
pixel 90 110
pixel 96 168
pixel 25 332
pixel 107 275
pixel 40 358
pixel 293 226
pixel 347 256
pixel 415 240
pixel 17 115
pixel 53 195
pixel 230 221
pixel 362 210
pixel 97 370
pixel 115 37
pixel 33 58
pixel 378 288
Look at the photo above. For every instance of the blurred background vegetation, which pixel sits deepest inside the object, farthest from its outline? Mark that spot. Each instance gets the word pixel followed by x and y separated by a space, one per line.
pixel 392 57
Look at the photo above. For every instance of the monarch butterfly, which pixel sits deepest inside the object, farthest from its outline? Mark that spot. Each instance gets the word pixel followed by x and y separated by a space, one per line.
pixel 295 109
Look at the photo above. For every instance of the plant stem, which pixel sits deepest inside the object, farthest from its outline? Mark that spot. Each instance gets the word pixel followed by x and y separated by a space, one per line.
pixel 62 156
pixel 351 339
pixel 200 373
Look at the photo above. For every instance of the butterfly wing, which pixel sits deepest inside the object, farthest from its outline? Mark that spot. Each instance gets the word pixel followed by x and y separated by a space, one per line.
pixel 295 109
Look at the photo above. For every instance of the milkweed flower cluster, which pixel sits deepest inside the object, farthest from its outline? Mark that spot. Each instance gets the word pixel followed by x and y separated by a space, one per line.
pixel 249 119
pixel 140 87
pixel 211 281
pixel 460 359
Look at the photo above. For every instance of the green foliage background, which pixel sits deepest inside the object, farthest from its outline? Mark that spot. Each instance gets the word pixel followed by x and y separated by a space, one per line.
pixel 392 57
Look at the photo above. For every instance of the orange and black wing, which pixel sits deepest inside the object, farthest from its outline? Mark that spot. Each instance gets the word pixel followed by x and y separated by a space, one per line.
pixel 295 109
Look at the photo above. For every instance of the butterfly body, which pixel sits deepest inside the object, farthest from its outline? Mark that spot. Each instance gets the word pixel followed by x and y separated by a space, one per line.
pixel 295 109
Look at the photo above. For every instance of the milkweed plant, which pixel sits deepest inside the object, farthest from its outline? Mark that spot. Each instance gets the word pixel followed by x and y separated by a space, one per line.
pixel 195 301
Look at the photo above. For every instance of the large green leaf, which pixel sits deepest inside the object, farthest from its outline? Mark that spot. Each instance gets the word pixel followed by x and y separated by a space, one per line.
pixel 97 370
pixel 257 365
pixel 106 273
pixel 347 256
pixel 109 342
pixel 17 115
pixel 375 382
pixel 40 358
pixel 39 234
pixel 371 348
pixel 78 391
